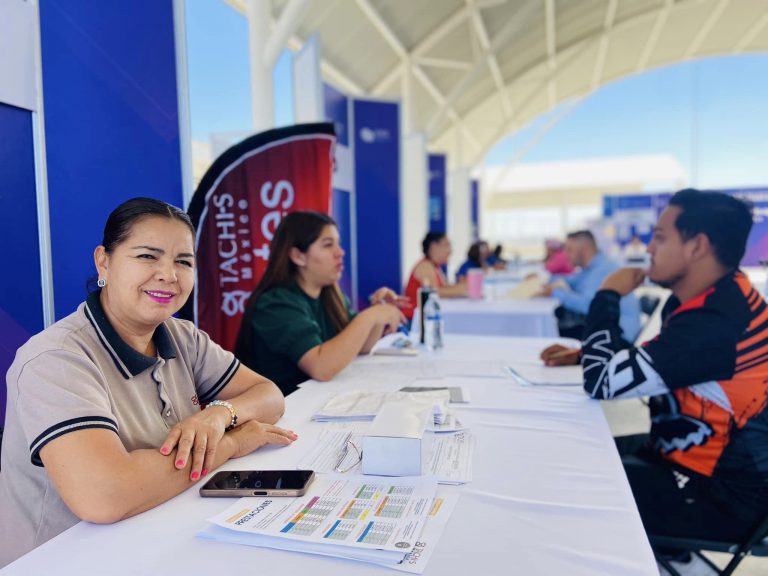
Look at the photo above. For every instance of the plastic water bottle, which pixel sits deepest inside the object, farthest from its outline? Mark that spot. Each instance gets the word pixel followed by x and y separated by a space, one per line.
pixel 433 323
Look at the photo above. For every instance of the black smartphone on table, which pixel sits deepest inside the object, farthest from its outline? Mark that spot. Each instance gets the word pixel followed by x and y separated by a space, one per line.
pixel 240 483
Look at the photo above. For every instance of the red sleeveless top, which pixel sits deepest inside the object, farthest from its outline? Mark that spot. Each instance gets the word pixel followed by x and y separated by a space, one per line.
pixel 413 285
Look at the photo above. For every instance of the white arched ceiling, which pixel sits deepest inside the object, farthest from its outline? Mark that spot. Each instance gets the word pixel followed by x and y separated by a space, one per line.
pixel 481 69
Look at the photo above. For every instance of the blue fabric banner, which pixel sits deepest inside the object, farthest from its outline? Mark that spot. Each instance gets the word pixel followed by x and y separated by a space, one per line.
pixel 474 205
pixel 437 199
pixel 377 194
pixel 111 123
pixel 21 307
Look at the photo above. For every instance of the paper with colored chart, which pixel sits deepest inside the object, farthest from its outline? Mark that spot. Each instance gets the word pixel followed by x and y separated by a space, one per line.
pixel 365 512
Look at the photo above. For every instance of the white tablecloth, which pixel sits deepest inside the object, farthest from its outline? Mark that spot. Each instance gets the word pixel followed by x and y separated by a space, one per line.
pixel 534 317
pixel 549 495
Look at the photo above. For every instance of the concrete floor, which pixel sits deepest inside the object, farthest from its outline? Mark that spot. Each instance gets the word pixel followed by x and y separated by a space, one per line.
pixel 631 417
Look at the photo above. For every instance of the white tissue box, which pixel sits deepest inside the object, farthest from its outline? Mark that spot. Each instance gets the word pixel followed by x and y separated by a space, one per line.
pixel 392 445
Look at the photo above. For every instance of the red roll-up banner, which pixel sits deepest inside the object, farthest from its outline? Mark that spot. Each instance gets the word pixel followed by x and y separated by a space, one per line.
pixel 237 208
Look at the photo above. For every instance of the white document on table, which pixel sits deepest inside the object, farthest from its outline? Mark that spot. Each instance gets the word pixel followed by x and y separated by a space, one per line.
pixel 539 375
pixel 449 456
pixel 456 394
pixel 442 507
pixel 220 534
pixel 395 344
pixel 413 562
pixel 351 405
pixel 450 423
pixel 446 455
pixel 354 512
pixel 445 367
pixel 332 451
pixel 360 405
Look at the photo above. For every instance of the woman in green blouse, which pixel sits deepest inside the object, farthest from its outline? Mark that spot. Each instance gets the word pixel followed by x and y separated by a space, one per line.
pixel 297 323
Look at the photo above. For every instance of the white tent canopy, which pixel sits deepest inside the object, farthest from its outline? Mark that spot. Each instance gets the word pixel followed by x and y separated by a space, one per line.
pixel 470 72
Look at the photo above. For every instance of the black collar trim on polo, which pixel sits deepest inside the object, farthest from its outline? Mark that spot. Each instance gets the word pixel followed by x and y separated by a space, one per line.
pixel 128 361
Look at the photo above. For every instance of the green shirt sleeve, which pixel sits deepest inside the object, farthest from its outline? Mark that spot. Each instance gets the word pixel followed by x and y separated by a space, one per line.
pixel 286 324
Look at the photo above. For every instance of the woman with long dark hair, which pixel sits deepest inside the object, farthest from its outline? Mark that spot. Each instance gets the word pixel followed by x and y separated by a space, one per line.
pixel 297 324
pixel 476 258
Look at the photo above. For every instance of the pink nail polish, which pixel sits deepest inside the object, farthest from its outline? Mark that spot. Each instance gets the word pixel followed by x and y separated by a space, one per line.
pixel 205 472
pixel 165 450
pixel 195 475
pixel 179 463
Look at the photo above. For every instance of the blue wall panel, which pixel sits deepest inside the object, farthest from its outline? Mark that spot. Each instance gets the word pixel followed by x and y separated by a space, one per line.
pixel 437 199
pixel 111 122
pixel 343 216
pixel 474 207
pixel 21 311
pixel 377 195
pixel 337 111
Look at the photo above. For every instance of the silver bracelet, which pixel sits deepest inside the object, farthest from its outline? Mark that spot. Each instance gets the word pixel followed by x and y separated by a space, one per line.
pixel 228 406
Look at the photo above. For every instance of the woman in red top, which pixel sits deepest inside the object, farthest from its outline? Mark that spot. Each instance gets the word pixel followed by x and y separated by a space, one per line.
pixel 427 272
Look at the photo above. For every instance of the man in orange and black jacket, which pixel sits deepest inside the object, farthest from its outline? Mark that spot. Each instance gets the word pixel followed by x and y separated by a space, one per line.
pixel 702 472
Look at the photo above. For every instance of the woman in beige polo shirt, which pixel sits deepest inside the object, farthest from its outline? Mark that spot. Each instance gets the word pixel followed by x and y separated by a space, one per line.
pixel 104 414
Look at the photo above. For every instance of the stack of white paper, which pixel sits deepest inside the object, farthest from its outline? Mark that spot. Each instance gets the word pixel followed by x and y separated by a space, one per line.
pixel 358 405
pixel 370 519
pixel 395 344
pixel 351 406
pixel 538 375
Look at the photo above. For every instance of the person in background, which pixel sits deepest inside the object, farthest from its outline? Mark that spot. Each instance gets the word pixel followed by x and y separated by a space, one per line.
pixel 428 272
pixel 555 260
pixel 576 291
pixel 104 416
pixel 702 472
pixel 495 260
pixel 297 324
pixel 477 256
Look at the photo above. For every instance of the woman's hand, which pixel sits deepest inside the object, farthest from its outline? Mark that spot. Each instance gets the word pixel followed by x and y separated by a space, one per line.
pixel 197 437
pixel 386 295
pixel 387 316
pixel 253 435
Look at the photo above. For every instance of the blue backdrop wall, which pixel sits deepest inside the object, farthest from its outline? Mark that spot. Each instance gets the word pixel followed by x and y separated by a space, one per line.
pixel 377 195
pixel 112 132
pixel 21 309
pixel 111 123
pixel 437 198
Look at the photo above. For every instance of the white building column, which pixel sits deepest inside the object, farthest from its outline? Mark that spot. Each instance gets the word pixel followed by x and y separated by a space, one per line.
pixel 414 180
pixel 458 193
pixel 258 15
pixel 265 48
pixel 414 184
pixel 406 100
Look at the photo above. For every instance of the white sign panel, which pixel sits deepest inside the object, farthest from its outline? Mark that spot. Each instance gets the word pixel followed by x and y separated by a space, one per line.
pixel 18 21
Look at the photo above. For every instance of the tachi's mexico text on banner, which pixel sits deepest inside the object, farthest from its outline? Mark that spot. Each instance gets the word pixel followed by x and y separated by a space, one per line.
pixel 237 208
